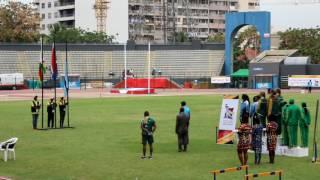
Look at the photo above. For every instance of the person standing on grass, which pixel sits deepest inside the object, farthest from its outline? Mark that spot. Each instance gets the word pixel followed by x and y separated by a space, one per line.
pixel 257 140
pixel 182 131
pixel 272 127
pixel 186 110
pixel 148 127
pixel 244 144
pixel 50 111
pixel 62 109
pixel 309 86
pixel 262 108
pixel 304 125
pixel 244 108
pixel 35 107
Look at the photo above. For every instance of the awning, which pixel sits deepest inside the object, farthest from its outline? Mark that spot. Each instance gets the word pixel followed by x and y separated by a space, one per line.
pixel 241 73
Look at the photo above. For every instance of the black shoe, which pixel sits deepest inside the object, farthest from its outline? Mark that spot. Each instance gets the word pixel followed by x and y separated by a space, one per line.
pixel 143 157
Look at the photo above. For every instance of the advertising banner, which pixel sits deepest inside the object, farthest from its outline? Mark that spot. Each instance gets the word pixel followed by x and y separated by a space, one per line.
pixel 303 80
pixel 228 119
pixel 220 80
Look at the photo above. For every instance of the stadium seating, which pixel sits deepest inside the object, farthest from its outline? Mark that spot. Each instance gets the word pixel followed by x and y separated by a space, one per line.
pixel 96 65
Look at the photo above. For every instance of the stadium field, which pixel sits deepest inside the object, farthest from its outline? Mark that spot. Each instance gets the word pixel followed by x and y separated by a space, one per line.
pixel 105 143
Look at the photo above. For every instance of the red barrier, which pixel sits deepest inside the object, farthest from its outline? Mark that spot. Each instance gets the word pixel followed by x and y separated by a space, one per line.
pixel 157 83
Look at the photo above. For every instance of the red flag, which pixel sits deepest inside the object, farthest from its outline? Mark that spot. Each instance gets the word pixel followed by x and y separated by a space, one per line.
pixel 54 67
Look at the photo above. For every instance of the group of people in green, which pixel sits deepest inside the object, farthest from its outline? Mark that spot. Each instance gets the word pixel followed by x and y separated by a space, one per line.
pixel 51 107
pixel 148 127
pixel 275 116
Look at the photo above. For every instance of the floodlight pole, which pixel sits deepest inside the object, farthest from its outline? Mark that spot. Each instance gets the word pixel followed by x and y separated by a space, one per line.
pixel 125 65
pixel 149 64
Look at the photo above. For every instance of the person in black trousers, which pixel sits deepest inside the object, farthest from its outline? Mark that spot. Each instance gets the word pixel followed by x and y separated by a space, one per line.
pixel 182 130
pixel 62 109
pixel 50 110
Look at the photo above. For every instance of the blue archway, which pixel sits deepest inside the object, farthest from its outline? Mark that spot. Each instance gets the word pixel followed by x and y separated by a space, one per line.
pixel 234 21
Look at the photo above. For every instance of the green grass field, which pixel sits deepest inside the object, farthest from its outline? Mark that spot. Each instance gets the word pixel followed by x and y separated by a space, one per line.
pixel 106 142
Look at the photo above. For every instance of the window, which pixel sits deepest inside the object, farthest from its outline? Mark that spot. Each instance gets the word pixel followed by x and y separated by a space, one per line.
pixel 48 26
pixel 43 16
pixel 43 5
pixel 56 15
pixel 49 4
pixel 43 27
pixel 55 3
pixel 49 15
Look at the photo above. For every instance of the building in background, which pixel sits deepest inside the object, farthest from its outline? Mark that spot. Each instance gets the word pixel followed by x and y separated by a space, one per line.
pixel 249 5
pixel 159 20
pixel 82 14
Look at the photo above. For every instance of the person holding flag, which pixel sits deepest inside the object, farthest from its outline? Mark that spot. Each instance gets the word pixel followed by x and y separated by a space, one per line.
pixel 62 109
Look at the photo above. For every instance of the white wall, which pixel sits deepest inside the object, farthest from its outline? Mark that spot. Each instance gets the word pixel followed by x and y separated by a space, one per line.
pixel 85 17
pixel 117 20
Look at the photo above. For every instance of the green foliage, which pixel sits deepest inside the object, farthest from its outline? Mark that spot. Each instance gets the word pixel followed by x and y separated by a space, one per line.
pixel 18 23
pixel 307 41
pixel 182 37
pixel 106 142
pixel 245 39
pixel 77 35
pixel 219 38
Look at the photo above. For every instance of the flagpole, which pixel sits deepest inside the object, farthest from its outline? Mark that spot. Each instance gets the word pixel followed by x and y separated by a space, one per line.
pixel 55 89
pixel 42 81
pixel 125 66
pixel 149 64
pixel 66 75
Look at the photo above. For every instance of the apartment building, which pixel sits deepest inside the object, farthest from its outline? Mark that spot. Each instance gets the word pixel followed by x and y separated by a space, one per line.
pixel 81 13
pixel 158 20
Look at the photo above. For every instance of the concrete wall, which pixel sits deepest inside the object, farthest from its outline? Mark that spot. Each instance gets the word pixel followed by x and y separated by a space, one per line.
pixel 264 68
pixel 287 70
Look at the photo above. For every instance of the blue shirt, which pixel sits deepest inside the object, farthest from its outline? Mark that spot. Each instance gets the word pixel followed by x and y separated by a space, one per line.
pixel 244 107
pixel 186 111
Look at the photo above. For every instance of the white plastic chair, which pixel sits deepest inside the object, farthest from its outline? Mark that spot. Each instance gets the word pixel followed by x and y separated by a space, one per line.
pixel 8 147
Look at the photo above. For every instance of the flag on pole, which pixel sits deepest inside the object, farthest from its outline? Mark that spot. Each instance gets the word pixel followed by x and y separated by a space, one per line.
pixel 42 71
pixel 66 79
pixel 54 67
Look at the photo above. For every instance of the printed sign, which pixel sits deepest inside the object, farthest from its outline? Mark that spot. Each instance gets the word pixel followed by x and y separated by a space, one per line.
pixel 228 120
pixel 220 80
pixel 228 116
pixel 304 81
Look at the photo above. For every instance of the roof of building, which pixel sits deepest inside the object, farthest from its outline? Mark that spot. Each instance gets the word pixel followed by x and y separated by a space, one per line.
pixel 297 60
pixel 241 73
pixel 273 56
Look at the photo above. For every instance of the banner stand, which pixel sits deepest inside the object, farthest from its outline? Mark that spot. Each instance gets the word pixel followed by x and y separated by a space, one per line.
pixel 228 119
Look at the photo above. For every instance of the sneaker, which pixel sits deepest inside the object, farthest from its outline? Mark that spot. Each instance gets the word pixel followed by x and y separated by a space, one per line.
pixel 143 157
pixel 150 157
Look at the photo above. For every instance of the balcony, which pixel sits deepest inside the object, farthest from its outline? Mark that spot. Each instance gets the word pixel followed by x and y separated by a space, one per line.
pixel 216 25
pixel 216 16
pixel 66 17
pixel 65 5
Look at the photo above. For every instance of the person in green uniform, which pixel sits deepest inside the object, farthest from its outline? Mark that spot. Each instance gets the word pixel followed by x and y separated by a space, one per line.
pixel 148 127
pixel 304 125
pixel 293 116
pixel 284 122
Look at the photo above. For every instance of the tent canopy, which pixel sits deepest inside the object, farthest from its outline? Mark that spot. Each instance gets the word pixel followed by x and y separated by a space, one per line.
pixel 241 73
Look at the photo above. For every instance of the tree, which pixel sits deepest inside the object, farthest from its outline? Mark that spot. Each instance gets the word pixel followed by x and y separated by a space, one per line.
pixel 77 35
pixel 182 37
pixel 18 23
pixel 307 41
pixel 247 41
pixel 219 38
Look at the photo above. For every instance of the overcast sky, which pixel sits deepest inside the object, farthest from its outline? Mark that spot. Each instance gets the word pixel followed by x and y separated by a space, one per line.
pixel 284 13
